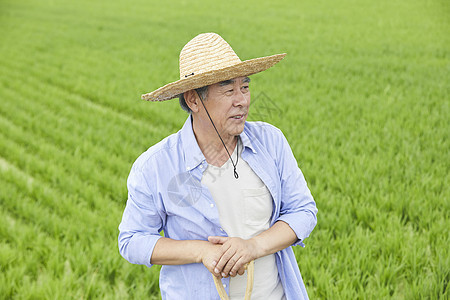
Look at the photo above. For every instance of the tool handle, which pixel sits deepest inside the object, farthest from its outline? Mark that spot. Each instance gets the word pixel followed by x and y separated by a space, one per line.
pixel 248 292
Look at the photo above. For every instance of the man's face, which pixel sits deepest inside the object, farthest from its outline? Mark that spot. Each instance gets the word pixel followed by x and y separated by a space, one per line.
pixel 228 104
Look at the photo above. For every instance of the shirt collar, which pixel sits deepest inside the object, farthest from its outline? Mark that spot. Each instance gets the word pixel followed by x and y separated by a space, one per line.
pixel 246 141
pixel 193 155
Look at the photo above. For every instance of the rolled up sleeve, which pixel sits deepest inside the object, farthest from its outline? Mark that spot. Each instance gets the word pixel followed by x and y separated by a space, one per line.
pixel 298 208
pixel 141 221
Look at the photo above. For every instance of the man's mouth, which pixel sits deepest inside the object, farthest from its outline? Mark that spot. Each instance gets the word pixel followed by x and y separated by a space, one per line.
pixel 238 117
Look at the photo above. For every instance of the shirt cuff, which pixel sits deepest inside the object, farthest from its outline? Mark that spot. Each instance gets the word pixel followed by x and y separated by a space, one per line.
pixel 301 223
pixel 139 249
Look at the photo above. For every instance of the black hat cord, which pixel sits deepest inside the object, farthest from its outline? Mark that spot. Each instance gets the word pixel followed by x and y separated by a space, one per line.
pixel 236 175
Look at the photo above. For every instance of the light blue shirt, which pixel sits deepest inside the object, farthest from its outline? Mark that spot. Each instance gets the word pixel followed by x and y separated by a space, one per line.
pixel 165 194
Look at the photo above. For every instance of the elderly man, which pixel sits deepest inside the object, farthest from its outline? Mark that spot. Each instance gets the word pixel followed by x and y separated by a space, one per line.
pixel 224 191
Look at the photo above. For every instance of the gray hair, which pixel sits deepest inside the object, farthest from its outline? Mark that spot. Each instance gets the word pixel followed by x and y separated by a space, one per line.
pixel 203 91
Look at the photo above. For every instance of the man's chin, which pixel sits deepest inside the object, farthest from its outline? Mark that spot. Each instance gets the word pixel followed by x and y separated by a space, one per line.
pixel 234 129
pixel 238 130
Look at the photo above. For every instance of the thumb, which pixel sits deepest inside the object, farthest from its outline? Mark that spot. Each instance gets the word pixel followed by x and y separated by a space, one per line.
pixel 217 239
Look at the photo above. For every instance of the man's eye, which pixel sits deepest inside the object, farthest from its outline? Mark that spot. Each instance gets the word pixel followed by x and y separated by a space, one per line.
pixel 229 91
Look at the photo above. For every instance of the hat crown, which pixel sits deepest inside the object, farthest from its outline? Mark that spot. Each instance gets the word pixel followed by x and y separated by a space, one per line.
pixel 206 52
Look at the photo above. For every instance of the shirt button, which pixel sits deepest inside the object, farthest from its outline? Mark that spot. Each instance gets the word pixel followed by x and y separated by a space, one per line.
pixel 224 285
pixel 212 205
pixel 201 167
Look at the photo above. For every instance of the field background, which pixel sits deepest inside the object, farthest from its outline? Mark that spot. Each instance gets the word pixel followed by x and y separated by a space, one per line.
pixel 362 96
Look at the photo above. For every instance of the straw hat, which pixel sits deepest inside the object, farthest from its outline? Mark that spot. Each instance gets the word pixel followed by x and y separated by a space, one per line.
pixel 209 59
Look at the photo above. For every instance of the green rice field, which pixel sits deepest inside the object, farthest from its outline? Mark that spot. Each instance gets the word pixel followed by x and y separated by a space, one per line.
pixel 362 97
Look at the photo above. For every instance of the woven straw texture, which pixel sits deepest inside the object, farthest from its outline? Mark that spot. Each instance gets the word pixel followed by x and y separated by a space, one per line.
pixel 209 59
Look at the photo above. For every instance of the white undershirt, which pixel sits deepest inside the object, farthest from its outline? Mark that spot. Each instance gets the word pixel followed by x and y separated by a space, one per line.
pixel 245 208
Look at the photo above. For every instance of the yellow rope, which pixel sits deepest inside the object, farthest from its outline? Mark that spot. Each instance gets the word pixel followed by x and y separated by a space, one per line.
pixel 248 292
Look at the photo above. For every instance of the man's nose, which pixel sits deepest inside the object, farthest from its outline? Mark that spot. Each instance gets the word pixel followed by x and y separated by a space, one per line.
pixel 240 99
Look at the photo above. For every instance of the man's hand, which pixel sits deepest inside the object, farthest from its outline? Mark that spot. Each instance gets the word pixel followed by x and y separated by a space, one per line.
pixel 223 256
pixel 210 255
pixel 236 253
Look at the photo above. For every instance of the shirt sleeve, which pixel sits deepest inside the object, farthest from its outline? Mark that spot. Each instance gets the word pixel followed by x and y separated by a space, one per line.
pixel 298 208
pixel 141 222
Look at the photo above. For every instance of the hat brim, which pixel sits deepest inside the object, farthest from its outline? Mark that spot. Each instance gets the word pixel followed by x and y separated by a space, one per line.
pixel 245 68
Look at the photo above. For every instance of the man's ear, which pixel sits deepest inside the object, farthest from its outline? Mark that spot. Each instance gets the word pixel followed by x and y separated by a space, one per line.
pixel 192 100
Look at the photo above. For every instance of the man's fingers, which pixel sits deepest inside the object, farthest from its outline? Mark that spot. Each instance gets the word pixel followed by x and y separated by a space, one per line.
pixel 229 266
pixel 234 265
pixel 241 271
pixel 223 261
pixel 236 252
pixel 211 256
